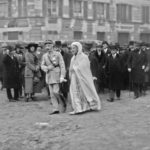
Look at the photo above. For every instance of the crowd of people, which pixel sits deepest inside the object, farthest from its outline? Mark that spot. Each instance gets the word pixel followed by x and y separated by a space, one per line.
pixel 85 70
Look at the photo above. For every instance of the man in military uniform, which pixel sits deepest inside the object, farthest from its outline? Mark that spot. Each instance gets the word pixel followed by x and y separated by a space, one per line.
pixel 53 64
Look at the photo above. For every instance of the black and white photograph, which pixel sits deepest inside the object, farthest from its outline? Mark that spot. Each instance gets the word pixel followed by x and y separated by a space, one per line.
pixel 74 74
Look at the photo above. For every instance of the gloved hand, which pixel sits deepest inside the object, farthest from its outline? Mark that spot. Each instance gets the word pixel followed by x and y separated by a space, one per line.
pixel 143 67
pixel 61 80
pixel 94 78
pixel 129 69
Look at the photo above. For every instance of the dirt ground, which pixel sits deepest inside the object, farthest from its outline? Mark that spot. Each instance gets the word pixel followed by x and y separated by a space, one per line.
pixel 121 125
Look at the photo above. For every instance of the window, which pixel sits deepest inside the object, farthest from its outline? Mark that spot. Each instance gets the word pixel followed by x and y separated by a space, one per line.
pixel 78 8
pixel 3 9
pixel 12 35
pixel 145 37
pixel 22 8
pixel 77 35
pixel 100 11
pixel 145 14
pixel 52 35
pixel 101 36
pixel 123 38
pixel 52 8
pixel 124 12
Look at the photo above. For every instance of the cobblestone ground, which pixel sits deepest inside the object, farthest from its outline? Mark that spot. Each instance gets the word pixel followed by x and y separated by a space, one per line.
pixel 121 125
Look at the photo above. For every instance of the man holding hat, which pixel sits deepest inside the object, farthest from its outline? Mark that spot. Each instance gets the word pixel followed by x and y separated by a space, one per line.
pixel 53 65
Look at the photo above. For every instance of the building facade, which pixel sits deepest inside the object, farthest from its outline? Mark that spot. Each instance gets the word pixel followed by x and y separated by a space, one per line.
pixel 111 20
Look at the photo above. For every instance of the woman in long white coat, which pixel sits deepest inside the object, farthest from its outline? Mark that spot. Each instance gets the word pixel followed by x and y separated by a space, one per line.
pixel 82 90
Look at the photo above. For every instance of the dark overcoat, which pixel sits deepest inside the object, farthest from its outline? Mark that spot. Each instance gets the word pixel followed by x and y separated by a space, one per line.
pixel 147 69
pixel 124 66
pixel 10 72
pixel 98 64
pixel 64 87
pixel 136 60
pixel 1 65
pixel 114 72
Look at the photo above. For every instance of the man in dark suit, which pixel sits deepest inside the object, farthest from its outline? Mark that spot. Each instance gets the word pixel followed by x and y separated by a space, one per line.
pixel 106 48
pixel 114 71
pixel 11 74
pixel 98 61
pixel 136 65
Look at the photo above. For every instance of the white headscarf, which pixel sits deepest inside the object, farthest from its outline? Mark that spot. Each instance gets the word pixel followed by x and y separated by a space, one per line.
pixel 78 44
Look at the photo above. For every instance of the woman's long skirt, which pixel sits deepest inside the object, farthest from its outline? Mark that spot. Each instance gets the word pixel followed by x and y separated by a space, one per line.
pixel 29 85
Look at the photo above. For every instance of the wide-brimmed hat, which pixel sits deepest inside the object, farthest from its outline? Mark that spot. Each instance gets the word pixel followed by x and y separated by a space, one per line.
pixel 32 45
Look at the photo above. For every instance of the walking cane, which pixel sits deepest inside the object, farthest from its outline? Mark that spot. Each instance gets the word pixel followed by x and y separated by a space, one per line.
pixel 130 83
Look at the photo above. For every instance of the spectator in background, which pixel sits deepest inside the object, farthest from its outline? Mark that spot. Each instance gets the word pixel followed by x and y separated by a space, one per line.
pixel 137 63
pixel 32 71
pixel 114 74
pixel 2 54
pixel 98 62
pixel 57 46
pixel 11 74
pixel 106 48
pixel 21 60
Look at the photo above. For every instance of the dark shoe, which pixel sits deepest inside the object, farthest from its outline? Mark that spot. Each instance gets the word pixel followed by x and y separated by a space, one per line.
pixel 16 99
pixel 26 99
pixel 54 112
pixel 135 97
pixel 12 100
pixel 118 98
pixel 110 100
